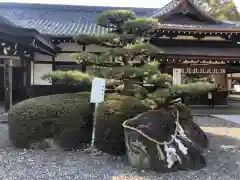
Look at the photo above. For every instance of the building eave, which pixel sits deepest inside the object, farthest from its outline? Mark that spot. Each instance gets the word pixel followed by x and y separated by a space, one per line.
pixel 27 35
pixel 225 28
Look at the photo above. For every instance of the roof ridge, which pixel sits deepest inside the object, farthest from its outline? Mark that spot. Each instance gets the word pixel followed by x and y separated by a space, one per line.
pixel 175 3
pixel 164 8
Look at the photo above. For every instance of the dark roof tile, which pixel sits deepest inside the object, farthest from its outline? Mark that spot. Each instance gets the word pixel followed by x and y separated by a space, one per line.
pixel 5 21
pixel 65 20
pixel 60 20
pixel 165 9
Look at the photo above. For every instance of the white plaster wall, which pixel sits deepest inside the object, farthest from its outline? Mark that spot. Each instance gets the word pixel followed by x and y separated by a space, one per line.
pixel 42 57
pixel 67 56
pixel 16 62
pixel 39 71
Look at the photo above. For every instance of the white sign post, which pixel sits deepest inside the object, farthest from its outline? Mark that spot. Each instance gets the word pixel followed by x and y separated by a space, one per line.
pixel 97 96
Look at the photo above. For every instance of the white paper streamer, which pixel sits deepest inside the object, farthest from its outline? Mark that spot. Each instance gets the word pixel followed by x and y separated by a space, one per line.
pixel 171 154
pixel 181 146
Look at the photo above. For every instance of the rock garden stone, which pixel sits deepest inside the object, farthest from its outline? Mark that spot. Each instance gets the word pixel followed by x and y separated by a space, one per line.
pixel 155 140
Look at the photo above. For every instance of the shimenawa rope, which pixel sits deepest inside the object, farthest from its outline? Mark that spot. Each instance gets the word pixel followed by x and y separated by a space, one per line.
pixel 171 154
pixel 153 140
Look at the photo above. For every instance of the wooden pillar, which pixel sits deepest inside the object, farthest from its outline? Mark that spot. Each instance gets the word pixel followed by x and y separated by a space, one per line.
pixel 24 71
pixel 83 64
pixel 8 84
pixel 53 64
pixel 28 73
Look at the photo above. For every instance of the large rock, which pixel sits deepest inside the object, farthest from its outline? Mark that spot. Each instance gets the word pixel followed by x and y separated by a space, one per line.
pixel 144 153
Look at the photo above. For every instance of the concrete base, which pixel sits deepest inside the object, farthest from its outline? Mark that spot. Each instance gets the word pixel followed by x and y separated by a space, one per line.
pixel 206 106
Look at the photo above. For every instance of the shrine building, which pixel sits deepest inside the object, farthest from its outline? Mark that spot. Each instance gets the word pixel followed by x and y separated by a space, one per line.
pixel 38 38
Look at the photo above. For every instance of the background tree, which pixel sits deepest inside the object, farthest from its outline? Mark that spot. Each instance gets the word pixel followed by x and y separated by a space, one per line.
pixel 129 50
pixel 224 10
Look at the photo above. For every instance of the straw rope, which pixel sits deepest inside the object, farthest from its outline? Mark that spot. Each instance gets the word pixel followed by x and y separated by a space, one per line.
pixel 154 140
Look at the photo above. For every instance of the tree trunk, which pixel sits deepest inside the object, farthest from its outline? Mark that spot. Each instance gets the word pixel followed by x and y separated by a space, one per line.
pixel 125 60
pixel 127 83
pixel 84 67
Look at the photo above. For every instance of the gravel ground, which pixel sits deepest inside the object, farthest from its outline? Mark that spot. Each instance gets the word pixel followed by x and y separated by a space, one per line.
pixel 223 161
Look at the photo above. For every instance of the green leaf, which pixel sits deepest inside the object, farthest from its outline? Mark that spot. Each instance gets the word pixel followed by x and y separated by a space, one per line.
pixel 114 18
pixel 67 77
pixel 143 48
pixel 125 72
pixel 140 26
pixel 193 89
pixel 160 80
pixel 87 39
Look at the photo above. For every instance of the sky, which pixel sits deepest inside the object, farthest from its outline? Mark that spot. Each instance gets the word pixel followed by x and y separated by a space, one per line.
pixel 117 3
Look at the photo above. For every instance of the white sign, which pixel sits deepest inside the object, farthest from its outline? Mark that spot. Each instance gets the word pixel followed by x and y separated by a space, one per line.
pixel 203 71
pixel 177 76
pixel 98 90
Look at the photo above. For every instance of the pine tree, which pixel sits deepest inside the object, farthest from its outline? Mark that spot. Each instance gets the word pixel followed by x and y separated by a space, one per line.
pixel 129 58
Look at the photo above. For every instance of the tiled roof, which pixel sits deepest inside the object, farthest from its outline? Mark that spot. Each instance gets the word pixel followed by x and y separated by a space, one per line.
pixel 60 20
pixel 173 5
pixel 167 8
pixel 32 38
pixel 66 20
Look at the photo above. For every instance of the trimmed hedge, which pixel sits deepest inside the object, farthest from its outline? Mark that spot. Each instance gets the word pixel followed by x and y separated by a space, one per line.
pixel 68 119
pixel 63 116
pixel 45 90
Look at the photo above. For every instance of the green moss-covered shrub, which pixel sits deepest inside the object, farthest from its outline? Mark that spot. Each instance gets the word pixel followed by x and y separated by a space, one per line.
pixel 66 117
pixel 111 115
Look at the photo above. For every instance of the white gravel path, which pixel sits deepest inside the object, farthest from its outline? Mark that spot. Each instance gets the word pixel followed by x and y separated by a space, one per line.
pixel 223 162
